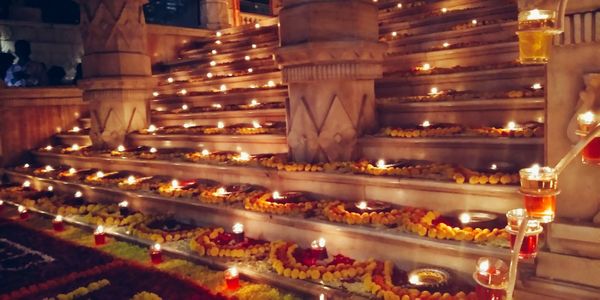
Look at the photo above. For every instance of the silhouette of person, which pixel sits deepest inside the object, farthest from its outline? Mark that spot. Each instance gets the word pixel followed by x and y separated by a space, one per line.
pixel 56 75
pixel 25 72
pixel 78 73
pixel 6 60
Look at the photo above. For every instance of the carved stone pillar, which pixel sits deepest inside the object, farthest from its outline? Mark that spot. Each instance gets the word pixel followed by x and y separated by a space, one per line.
pixel 116 69
pixel 214 14
pixel 330 56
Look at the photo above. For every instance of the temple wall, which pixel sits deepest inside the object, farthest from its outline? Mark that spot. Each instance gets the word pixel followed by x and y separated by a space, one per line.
pixel 30 116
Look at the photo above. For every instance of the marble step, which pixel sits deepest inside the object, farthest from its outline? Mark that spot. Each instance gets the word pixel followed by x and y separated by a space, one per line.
pixel 391 12
pixel 443 196
pixel 171 100
pixel 471 152
pixel 419 25
pixel 242 81
pixel 199 72
pixel 447 21
pixel 211 118
pixel 356 241
pixel 476 112
pixel 481 80
pixel 468 56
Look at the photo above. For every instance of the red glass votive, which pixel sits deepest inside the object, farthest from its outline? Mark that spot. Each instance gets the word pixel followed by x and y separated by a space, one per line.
pixel 24 215
pixel 591 152
pixel 529 246
pixel 485 293
pixel 239 237
pixel 541 207
pixel 58 226
pixel 232 279
pixel 156 256
pixel 319 253
pixel 100 238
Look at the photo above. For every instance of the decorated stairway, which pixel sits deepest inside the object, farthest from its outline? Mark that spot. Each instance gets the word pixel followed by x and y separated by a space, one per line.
pixel 458 117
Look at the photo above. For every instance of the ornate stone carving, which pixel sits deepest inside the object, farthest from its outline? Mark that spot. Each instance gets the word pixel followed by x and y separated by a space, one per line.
pixel 330 72
pixel 116 68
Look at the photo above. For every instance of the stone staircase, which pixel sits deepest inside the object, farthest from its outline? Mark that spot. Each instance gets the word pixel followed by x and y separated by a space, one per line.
pixel 232 78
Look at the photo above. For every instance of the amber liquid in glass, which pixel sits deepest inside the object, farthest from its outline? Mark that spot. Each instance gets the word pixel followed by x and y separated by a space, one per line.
pixel 484 293
pixel 541 207
pixel 534 46
pixel 529 247
pixel 591 153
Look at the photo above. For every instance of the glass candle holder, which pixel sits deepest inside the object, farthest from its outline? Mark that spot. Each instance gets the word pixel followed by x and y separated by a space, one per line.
pixel 318 249
pixel 57 224
pixel 232 279
pixel 529 247
pixel 238 232
pixel 491 275
pixel 156 254
pixel 99 236
pixel 591 153
pixel 539 187
pixel 537 29
pixel 23 212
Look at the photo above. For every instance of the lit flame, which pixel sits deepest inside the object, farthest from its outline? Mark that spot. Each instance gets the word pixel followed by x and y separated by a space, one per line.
pixel 123 204
pixel 223 88
pixel 26 184
pixel 156 247
pixel 99 229
pixel 426 124
pixel 22 209
pixel 221 192
pixel 362 205
pixel 237 228
pixel 257 26
pixel 170 80
pixel 152 128
pixel 536 14
pixel 213 51
pixel 414 279
pixel 219 34
pixel 426 67
pixel 394 34
pixel 271 83
pixel 484 266
pixel 474 21
pixel 399 5
pixel 131 180
pixel 511 125
pixel 256 124
pixel 213 63
pixel 276 195
pixel 320 243
pixel 50 188
pixel 48 148
pixel 535 170
pixel 75 129
pixel 250 70
pixel 254 102
pixel 205 152
pixel 217 105
pixel 175 184
pixel 99 174
pixel 494 167
pixel 1 202
pixel 155 94
pixel 244 156
pixel 183 92
pixel 72 171
pixel 218 42
pixel 587 118
pixel 153 150
pixel 220 125
pixel 209 75
pixel 381 163
pixel 78 194
pixel 233 272
pixel 188 125
pixel 58 218
pixel 433 91
pixel 247 57
pixel 48 168
pixel 446 45
pixel 254 46
pixel 121 148
pixel 26 166
pixel 75 147
pixel 444 10
pixel 185 107
pixel 536 86
pixel 322 297
pixel 464 218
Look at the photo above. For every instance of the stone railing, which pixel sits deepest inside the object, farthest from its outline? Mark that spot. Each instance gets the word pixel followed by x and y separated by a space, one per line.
pixel 29 117
pixel 580 28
